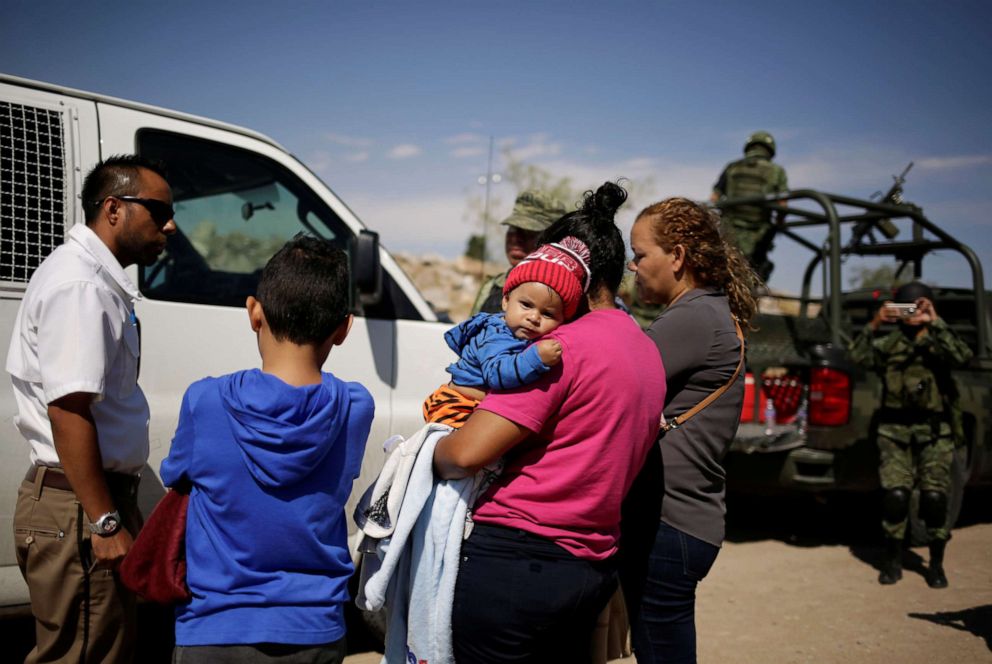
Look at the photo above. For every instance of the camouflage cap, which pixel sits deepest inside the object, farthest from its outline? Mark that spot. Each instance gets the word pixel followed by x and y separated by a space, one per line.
pixel 535 211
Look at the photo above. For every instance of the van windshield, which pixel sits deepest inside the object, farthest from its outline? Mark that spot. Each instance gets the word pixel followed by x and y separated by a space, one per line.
pixel 234 210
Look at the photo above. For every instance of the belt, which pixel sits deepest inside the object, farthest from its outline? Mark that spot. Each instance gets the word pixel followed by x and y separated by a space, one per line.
pixel 54 478
pixel 910 416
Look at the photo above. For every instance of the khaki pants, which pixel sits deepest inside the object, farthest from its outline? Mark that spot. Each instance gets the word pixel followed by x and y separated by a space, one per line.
pixel 81 614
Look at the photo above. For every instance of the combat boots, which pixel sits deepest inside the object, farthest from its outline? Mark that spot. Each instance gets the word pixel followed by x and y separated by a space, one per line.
pixel 935 571
pixel 892 564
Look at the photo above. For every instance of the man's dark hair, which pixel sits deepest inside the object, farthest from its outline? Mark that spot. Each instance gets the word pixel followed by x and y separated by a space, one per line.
pixel 593 224
pixel 304 290
pixel 115 176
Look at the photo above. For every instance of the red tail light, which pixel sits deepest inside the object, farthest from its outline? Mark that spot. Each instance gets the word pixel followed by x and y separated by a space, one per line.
pixel 829 397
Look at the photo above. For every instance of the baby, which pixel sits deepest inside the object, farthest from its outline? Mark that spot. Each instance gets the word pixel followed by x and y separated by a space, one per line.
pixel 497 351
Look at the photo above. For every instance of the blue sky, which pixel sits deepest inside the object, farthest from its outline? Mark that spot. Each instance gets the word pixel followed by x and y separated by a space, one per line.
pixel 393 103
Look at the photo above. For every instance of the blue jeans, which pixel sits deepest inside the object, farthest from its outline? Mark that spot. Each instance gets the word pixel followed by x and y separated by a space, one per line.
pixel 522 598
pixel 663 617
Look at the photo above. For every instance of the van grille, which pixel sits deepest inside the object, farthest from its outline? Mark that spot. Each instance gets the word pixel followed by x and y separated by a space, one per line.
pixel 32 188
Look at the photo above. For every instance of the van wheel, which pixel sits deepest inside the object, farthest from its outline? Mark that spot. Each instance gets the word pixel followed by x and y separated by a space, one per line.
pixel 960 472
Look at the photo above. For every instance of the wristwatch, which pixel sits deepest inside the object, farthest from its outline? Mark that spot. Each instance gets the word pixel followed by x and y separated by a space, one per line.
pixel 107 525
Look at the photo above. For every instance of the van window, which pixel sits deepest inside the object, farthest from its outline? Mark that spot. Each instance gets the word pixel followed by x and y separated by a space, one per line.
pixel 33 192
pixel 234 209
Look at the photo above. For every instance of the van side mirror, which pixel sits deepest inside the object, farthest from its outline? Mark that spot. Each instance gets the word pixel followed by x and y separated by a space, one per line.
pixel 366 268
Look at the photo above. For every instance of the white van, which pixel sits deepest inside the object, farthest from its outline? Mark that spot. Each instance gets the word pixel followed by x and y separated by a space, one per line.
pixel 238 197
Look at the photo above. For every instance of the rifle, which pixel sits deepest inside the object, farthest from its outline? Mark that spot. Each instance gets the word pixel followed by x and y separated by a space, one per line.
pixel 893 196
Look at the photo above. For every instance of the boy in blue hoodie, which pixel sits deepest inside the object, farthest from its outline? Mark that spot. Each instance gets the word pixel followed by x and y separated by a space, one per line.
pixel 271 455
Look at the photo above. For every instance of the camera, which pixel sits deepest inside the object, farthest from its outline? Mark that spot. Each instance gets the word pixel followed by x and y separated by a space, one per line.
pixel 905 310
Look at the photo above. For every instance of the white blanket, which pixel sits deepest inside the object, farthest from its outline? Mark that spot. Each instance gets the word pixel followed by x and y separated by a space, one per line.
pixel 414 569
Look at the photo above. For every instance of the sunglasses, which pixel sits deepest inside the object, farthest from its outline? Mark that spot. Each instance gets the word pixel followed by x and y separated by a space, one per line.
pixel 160 211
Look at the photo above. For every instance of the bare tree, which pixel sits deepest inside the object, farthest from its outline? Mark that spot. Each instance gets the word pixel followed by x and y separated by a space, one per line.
pixel 522 176
pixel 882 276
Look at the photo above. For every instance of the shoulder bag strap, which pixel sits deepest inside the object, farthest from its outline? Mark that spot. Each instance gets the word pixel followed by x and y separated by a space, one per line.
pixel 681 419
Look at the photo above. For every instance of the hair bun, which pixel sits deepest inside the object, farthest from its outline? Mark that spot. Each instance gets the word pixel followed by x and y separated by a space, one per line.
pixel 606 200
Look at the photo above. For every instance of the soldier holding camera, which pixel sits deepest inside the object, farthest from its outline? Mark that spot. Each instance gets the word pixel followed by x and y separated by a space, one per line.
pixel 919 423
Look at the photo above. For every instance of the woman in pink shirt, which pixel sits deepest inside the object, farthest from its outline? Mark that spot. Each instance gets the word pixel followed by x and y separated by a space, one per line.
pixel 540 565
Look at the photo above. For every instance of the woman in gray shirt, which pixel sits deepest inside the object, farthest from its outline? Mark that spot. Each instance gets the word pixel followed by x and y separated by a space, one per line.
pixel 681 261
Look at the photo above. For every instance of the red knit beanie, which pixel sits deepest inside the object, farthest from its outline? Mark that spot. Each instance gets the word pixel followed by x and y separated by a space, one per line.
pixel 562 266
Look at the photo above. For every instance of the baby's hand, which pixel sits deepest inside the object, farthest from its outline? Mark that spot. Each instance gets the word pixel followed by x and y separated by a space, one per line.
pixel 549 350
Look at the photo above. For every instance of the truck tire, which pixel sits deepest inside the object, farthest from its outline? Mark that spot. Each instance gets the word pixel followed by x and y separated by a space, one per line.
pixel 960 471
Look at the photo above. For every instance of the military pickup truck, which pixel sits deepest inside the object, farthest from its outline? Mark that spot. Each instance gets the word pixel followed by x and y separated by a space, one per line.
pixel 821 434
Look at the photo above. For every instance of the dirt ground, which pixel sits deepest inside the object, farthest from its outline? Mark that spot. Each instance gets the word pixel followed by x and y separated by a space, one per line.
pixel 800 599
pixel 796 582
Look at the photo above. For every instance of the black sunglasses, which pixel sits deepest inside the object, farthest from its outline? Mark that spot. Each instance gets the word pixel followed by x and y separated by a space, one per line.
pixel 161 211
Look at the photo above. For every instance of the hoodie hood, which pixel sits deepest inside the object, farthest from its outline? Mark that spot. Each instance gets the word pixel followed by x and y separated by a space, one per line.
pixel 283 432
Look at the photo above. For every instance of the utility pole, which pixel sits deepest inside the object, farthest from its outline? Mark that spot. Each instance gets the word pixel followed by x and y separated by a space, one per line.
pixel 487 179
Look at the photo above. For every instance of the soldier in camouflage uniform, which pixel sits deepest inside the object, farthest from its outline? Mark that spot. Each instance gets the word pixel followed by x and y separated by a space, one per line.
pixel 533 212
pixel 919 423
pixel 643 312
pixel 754 175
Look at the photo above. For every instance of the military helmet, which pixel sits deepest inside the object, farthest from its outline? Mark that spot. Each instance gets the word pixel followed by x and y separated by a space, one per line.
pixel 762 138
pixel 913 291
pixel 534 211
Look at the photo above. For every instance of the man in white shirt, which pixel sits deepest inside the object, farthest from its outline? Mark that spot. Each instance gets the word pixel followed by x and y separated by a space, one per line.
pixel 73 362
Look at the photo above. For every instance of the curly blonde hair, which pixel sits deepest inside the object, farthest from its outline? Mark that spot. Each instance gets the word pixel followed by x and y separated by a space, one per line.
pixel 710 259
